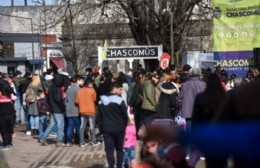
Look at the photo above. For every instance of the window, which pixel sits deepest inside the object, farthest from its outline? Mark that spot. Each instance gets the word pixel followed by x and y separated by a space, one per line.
pixel 5 3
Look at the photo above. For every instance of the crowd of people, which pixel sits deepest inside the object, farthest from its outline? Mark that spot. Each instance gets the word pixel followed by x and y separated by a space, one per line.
pixel 148 118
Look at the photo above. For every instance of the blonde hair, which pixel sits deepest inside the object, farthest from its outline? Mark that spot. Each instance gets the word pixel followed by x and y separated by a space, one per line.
pixel 36 81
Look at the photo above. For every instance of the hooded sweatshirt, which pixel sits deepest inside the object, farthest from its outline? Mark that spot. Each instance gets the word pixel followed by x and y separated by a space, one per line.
pixel 54 97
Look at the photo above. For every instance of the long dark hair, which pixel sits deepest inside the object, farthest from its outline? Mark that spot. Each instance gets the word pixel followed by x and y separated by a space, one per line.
pixel 215 94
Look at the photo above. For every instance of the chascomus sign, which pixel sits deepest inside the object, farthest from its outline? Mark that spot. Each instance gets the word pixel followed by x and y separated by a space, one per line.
pixel 129 53
pixel 132 52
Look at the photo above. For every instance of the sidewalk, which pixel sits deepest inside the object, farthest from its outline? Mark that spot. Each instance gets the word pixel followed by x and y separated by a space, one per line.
pixel 28 153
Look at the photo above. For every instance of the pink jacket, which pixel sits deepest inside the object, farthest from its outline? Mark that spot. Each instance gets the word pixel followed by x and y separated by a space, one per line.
pixel 130 136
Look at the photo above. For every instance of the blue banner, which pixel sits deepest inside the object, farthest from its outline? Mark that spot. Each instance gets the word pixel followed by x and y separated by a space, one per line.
pixel 234 62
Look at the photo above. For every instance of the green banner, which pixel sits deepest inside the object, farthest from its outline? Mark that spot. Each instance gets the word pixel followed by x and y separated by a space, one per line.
pixel 236 25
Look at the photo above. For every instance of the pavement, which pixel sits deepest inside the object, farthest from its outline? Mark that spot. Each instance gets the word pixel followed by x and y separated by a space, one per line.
pixel 28 153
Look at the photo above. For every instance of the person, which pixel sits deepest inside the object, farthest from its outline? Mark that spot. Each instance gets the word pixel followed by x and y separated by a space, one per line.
pixel 24 83
pixel 186 72
pixel 47 82
pixel 122 79
pixel 230 82
pixel 72 111
pixel 113 116
pixel 167 101
pixel 57 110
pixel 15 96
pixel 6 119
pixel 31 91
pixel 149 97
pixel 104 86
pixel 136 98
pixel 190 89
pixel 86 98
pixel 43 110
pixel 206 106
pixel 130 142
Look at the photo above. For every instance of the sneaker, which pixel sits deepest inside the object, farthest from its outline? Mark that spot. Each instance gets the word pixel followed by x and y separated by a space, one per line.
pixel 83 145
pixel 60 145
pixel 43 143
pixel 68 144
pixel 28 133
pixel 8 147
pixel 53 135
pixel 95 144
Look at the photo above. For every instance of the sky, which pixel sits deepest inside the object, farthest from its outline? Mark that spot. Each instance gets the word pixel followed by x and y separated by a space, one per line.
pixel 21 2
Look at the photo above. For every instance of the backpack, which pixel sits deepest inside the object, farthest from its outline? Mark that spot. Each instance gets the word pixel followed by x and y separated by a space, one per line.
pixel 30 96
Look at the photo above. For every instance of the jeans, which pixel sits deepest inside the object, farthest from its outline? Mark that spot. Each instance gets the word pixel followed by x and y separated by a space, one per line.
pixel 84 120
pixel 22 115
pixel 43 120
pixel 129 156
pixel 34 122
pixel 56 118
pixel 17 109
pixel 73 123
pixel 114 141
pixel 27 118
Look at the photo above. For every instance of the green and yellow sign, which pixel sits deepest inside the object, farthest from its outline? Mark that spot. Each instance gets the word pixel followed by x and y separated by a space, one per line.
pixel 236 25
pixel 236 31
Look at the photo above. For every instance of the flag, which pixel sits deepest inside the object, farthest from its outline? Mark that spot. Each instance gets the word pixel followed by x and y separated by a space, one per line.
pixel 104 51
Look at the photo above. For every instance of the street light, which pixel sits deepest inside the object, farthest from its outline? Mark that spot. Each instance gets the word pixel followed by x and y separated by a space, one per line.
pixel 33 56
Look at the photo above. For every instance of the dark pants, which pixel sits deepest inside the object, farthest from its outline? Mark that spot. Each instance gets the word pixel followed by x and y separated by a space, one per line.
pixel 27 118
pixel 215 162
pixel 114 141
pixel 6 129
pixel 146 114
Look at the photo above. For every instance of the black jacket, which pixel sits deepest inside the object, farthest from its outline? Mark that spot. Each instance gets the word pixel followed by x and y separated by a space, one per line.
pixel 167 102
pixel 136 99
pixel 113 114
pixel 54 97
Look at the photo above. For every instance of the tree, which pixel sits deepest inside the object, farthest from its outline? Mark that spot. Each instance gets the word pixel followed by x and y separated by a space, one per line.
pixel 68 15
pixel 153 21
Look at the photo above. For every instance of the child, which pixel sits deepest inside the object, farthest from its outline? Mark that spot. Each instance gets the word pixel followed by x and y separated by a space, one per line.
pixel 43 110
pixel 130 142
pixel 6 119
